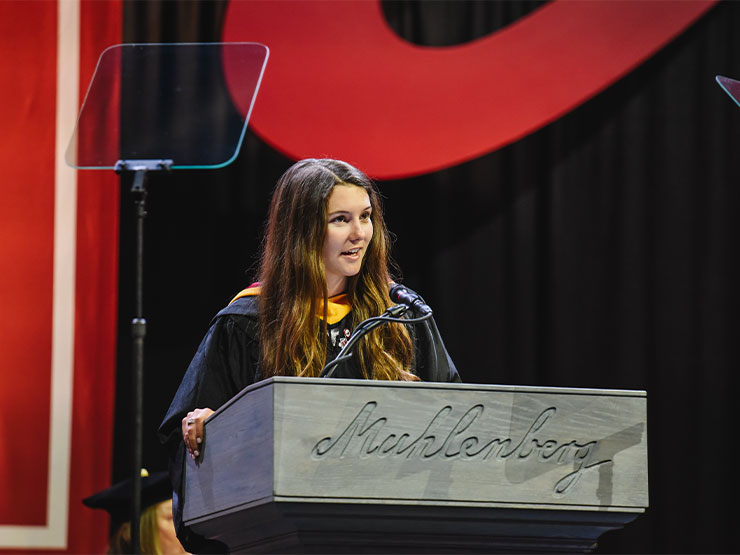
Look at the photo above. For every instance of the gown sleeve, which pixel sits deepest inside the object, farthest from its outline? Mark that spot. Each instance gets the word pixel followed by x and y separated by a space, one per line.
pixel 432 362
pixel 225 363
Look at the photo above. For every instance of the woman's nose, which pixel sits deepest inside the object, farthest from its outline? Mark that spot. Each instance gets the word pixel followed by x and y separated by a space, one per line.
pixel 357 231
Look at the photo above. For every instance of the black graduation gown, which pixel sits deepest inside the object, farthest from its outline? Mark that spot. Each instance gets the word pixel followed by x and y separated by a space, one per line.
pixel 227 361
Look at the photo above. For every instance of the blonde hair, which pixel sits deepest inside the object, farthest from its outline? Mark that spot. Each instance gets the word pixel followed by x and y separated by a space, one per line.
pixel 120 541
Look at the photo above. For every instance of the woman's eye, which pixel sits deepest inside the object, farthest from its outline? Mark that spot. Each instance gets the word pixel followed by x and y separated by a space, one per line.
pixel 339 219
pixel 365 216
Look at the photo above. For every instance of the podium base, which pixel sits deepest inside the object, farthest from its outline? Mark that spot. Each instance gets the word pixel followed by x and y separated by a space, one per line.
pixel 298 527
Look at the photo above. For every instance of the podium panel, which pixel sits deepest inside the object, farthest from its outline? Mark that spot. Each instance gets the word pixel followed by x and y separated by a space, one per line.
pixel 316 465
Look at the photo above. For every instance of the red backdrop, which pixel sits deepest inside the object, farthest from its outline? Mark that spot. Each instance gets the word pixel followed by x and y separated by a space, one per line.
pixel 341 83
pixel 40 506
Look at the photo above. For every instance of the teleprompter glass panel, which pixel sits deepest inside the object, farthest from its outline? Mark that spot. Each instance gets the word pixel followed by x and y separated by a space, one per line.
pixel 731 87
pixel 167 102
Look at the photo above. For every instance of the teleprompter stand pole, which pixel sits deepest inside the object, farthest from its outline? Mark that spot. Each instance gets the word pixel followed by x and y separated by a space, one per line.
pixel 140 168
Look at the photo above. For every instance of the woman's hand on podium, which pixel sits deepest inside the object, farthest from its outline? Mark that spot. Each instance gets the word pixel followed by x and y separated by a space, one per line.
pixel 192 430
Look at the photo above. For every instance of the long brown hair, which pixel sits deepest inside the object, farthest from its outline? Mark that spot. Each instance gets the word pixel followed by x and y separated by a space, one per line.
pixel 293 341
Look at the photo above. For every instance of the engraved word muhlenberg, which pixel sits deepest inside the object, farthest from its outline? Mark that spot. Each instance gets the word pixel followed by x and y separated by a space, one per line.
pixel 366 436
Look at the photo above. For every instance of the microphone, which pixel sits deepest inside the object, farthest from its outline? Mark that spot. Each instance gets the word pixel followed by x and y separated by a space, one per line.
pixel 399 294
pixel 405 299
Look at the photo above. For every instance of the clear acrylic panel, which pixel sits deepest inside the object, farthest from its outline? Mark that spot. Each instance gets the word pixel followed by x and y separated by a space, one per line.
pixel 167 102
pixel 731 87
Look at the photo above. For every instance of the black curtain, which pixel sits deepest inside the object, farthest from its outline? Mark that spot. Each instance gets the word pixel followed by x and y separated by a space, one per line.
pixel 597 252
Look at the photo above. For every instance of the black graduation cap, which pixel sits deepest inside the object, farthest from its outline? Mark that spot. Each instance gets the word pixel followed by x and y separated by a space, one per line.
pixel 117 498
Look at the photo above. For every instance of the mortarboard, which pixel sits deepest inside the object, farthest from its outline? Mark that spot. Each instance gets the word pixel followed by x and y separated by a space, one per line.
pixel 117 498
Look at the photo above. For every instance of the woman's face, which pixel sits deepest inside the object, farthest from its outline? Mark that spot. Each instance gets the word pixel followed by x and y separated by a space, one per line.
pixel 168 541
pixel 348 233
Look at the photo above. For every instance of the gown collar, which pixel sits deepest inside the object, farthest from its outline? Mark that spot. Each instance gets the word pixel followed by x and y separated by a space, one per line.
pixel 337 308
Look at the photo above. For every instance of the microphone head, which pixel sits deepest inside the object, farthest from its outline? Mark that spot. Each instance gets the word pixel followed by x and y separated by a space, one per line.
pixel 399 294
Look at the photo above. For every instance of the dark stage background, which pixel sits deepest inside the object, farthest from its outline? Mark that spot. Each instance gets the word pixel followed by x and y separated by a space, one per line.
pixel 597 252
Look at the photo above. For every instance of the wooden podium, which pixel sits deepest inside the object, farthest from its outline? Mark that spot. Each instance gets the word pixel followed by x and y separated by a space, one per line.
pixel 305 465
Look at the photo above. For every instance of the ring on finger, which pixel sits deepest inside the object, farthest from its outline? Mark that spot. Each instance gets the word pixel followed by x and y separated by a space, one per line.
pixel 191 420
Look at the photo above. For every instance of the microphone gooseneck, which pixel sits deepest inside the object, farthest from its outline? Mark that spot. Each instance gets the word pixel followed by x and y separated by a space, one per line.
pixel 406 301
